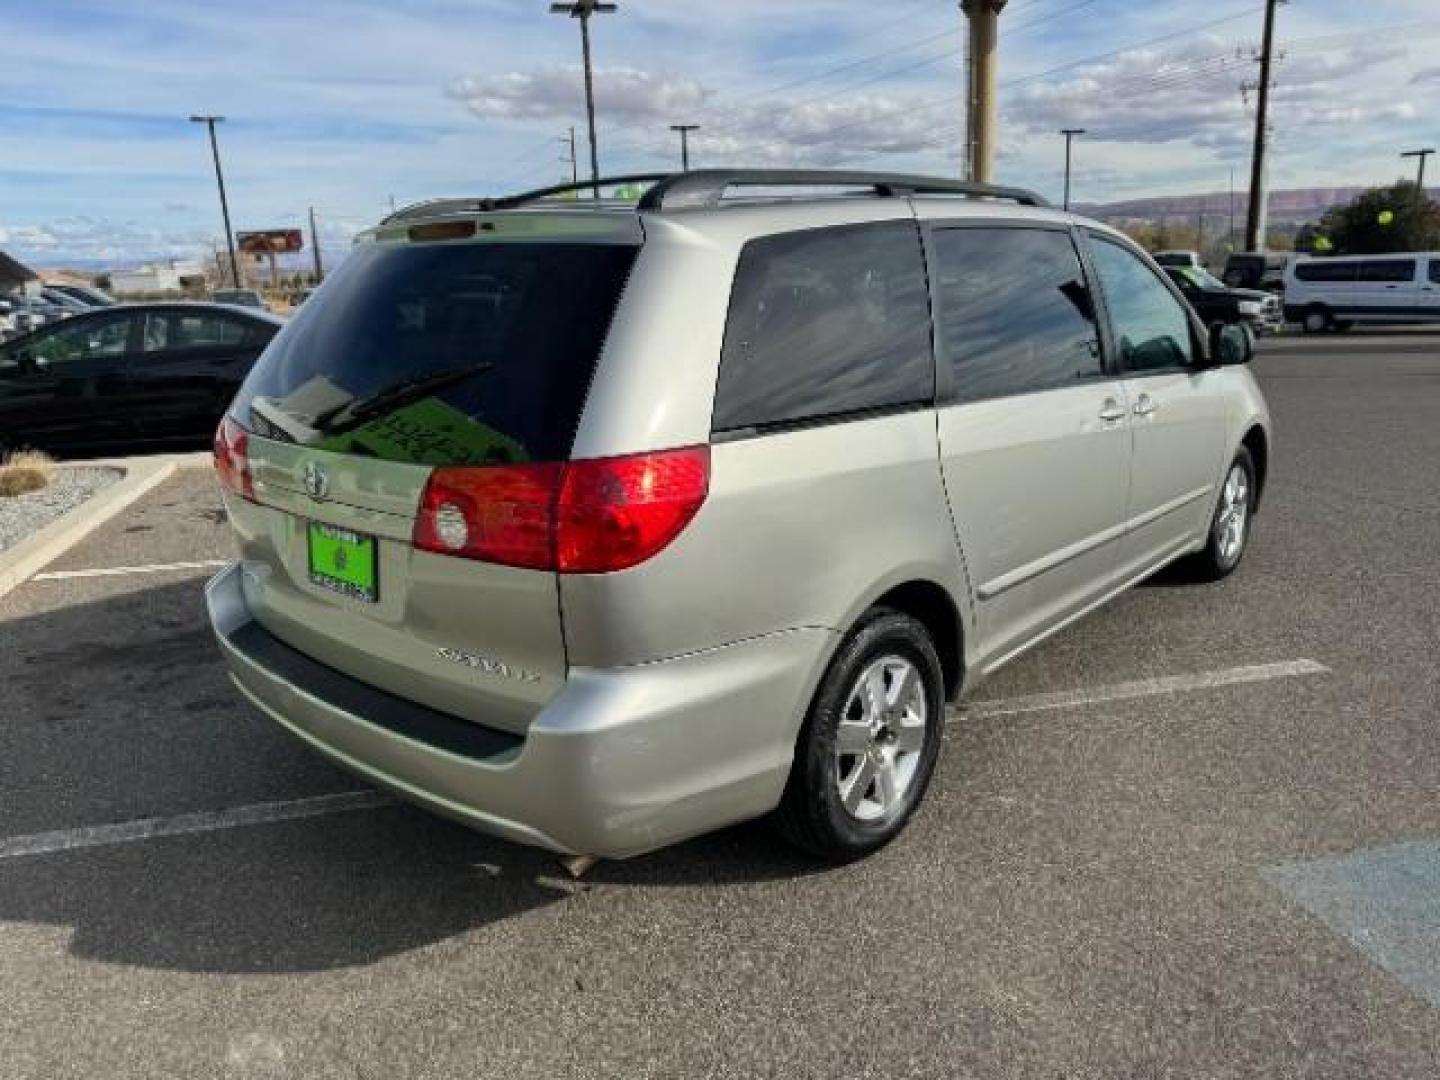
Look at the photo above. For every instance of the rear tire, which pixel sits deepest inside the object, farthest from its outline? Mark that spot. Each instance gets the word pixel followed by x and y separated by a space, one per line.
pixel 868 747
pixel 1229 534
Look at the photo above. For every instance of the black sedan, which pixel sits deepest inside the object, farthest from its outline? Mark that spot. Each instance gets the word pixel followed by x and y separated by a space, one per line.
pixel 126 376
pixel 1216 302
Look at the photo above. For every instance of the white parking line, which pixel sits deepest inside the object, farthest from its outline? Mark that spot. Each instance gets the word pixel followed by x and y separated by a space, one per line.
pixel 118 571
pixel 203 821
pixel 269 813
pixel 1143 688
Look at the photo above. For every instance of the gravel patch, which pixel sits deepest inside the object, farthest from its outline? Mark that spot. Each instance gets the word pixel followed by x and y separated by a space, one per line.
pixel 25 514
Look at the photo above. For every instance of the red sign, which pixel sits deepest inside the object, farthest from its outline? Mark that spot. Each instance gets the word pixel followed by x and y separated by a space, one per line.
pixel 270 241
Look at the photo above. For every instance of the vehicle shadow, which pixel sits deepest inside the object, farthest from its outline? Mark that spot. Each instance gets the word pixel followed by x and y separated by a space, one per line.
pixel 118 709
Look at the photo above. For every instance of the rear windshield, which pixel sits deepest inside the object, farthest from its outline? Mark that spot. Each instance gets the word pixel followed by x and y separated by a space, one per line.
pixel 442 354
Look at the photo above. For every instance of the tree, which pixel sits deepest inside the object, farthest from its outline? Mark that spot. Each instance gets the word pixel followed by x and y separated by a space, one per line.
pixel 1396 218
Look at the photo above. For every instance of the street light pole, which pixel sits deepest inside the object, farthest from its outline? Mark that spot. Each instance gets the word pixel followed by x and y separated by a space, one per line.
pixel 210 122
pixel 582 10
pixel 1069 134
pixel 684 130
pixel 1422 155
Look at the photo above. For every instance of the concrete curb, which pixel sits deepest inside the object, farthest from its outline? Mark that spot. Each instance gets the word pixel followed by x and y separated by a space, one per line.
pixel 142 475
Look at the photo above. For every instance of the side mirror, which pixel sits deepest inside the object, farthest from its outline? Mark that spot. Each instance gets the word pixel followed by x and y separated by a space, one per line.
pixel 1231 343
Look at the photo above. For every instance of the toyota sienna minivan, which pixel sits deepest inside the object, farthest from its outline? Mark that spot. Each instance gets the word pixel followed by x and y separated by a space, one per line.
pixel 599 525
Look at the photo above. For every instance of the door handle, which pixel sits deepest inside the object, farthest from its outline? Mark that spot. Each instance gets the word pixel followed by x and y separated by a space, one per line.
pixel 1145 405
pixel 1111 411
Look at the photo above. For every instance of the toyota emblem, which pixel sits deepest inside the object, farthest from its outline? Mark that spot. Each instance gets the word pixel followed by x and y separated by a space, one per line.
pixel 317 484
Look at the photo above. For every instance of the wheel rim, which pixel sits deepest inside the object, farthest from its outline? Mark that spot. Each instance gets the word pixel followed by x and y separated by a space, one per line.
pixel 1315 321
pixel 880 737
pixel 1234 515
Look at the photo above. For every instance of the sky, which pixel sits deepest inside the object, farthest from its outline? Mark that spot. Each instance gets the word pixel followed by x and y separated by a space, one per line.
pixel 344 104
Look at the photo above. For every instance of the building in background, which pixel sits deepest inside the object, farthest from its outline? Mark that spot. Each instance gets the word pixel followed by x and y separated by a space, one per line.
pixel 174 276
pixel 15 276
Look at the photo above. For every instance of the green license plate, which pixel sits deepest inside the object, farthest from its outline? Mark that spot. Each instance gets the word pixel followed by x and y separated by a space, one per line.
pixel 343 561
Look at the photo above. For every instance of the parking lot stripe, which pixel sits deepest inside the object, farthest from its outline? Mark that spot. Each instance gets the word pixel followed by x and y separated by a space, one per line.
pixel 238 817
pixel 1143 688
pixel 116 571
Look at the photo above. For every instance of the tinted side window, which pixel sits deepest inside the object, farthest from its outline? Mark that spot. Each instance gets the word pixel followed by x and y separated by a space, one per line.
pixel 84 339
pixel 823 323
pixel 170 330
pixel 1152 329
pixel 1435 271
pixel 1387 270
pixel 1325 271
pixel 1015 315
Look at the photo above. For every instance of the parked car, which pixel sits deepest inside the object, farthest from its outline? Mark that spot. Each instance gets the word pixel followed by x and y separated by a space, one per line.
pixel 690 521
pixel 127 375
pixel 27 312
pixel 86 294
pixel 1216 302
pixel 63 301
pixel 246 298
pixel 1179 258
pixel 1336 292
pixel 1255 270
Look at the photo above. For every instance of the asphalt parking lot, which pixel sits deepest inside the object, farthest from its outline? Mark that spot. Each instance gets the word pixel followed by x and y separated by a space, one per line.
pixel 1233 873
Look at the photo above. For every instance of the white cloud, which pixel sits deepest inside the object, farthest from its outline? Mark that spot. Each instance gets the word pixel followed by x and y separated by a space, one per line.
pixel 558 92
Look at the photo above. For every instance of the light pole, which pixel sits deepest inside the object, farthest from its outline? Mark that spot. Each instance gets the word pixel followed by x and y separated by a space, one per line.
pixel 1069 134
pixel 210 122
pixel 1422 155
pixel 684 130
pixel 984 16
pixel 582 10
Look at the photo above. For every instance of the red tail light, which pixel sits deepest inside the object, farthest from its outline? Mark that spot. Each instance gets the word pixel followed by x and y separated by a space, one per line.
pixel 583 517
pixel 232 458
pixel 614 513
pixel 499 513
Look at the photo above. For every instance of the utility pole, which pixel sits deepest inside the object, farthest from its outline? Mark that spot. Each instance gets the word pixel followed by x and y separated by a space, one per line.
pixel 684 130
pixel 582 10
pixel 574 166
pixel 210 122
pixel 1069 134
pixel 969 73
pixel 315 249
pixel 1200 234
pixel 1422 155
pixel 1256 219
pixel 984 16
pixel 1230 236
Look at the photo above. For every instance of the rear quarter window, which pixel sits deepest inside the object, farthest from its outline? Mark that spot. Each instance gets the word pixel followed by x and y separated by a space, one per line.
pixel 826 323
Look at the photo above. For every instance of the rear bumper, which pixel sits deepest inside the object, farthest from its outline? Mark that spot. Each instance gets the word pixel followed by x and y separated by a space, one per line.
pixel 620 762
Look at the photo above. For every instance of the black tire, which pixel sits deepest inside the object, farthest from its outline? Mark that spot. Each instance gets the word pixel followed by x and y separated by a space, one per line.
pixel 1317 319
pixel 1216 562
pixel 811 814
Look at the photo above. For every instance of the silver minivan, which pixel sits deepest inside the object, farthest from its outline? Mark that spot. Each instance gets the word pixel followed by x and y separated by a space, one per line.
pixel 598 525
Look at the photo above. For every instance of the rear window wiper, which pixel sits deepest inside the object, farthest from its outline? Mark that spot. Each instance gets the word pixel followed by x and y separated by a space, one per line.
pixel 358 410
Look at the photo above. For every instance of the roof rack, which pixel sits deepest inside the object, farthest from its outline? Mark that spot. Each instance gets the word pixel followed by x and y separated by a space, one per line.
pixel 707 188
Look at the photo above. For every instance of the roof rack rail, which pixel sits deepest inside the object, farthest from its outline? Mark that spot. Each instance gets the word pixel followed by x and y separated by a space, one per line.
pixel 507 202
pixel 707 188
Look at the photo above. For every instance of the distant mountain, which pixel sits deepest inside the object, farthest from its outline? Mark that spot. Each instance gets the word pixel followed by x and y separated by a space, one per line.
pixel 1288 209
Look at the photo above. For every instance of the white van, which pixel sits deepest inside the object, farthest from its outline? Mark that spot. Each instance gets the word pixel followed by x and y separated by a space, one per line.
pixel 1338 292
